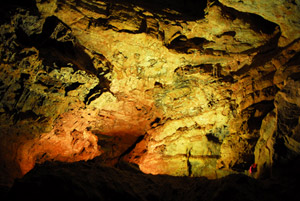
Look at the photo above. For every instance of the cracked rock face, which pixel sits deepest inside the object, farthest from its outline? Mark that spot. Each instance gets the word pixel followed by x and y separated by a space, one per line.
pixel 196 88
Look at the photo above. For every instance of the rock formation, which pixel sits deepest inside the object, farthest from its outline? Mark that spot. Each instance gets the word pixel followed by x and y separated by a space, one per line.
pixel 183 88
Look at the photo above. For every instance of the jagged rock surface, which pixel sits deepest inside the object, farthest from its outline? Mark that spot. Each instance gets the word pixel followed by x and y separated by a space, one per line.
pixel 173 90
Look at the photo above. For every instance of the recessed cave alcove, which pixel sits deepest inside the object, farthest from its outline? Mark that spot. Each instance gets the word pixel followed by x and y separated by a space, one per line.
pixel 149 100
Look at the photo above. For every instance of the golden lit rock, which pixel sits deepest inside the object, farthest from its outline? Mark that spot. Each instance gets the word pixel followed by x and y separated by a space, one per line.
pixel 185 89
pixel 284 13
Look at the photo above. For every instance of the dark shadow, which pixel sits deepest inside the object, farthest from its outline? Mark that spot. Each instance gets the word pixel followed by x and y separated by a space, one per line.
pixel 256 22
pixel 263 108
pixel 8 8
pixel 295 60
pixel 55 54
pixel 92 181
pixel 181 44
pixel 264 54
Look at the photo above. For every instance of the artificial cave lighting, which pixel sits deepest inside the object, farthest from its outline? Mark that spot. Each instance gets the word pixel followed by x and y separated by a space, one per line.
pixel 138 98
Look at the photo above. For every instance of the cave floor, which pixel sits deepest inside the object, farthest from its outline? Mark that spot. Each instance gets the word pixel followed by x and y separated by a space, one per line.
pixel 93 181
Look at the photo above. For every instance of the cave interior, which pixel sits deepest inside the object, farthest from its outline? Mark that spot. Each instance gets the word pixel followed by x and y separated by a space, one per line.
pixel 150 100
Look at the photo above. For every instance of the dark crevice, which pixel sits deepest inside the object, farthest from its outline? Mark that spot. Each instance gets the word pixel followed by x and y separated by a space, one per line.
pixel 257 112
pixel 293 2
pixel 20 92
pixel 228 33
pixel 98 90
pixel 19 3
pixel 156 121
pixel 188 70
pixel 41 101
pixel 26 115
pixel 212 138
pixel 182 44
pixel 186 10
pixel 214 70
pixel 98 23
pixel 269 46
pixel 241 167
pixel 264 54
pixel 227 78
pixel 143 27
pixel 138 140
pixel 49 27
pixel 259 24
pixel 93 94
pixel 295 60
pixel 189 165
pixel 24 77
pixel 45 84
pixel 3 89
pixel 158 84
pixel 64 53
pixel 55 54
pixel 198 41
pixel 8 8
pixel 270 91
pixel 72 87
pixel 123 30
pixel 295 76
pixel 256 22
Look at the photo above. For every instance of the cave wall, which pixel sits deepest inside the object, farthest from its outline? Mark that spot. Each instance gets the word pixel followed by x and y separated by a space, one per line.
pixel 204 88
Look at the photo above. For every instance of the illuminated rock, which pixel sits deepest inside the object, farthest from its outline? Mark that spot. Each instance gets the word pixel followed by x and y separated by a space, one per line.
pixel 178 89
pixel 284 13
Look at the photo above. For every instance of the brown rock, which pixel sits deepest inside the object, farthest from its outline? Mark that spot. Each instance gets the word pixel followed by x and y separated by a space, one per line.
pixel 284 13
pixel 264 149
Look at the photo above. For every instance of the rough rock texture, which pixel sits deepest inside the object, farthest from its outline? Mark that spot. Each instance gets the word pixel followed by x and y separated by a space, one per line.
pixel 278 12
pixel 186 89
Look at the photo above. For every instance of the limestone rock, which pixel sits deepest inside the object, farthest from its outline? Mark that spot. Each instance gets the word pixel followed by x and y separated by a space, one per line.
pixel 279 133
pixel 288 112
pixel 264 149
pixel 197 89
pixel 284 13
